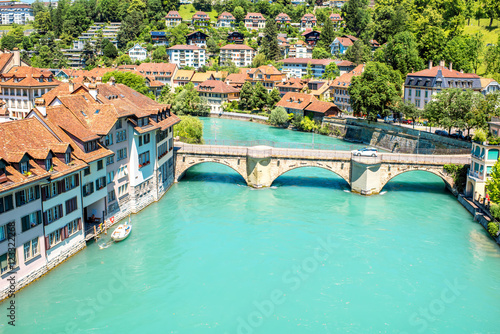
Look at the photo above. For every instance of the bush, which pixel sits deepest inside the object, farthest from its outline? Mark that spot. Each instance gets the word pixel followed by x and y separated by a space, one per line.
pixel 336 132
pixel 278 117
pixel 324 130
pixel 495 211
pixel 308 125
pixel 190 129
pixel 493 229
pixel 296 121
pixel 459 175
pixel 480 136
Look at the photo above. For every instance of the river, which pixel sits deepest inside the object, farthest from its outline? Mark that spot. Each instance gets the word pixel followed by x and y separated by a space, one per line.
pixel 304 256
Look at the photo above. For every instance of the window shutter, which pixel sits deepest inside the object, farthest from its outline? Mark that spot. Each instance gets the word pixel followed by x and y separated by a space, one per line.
pixel 66 231
pixel 44 193
pixel 79 224
pixel 25 223
pixel 60 187
pixel 45 220
pixel 68 206
pixel 47 244
pixel 18 198
pixel 63 234
pixel 38 217
pixel 61 210
pixel 77 180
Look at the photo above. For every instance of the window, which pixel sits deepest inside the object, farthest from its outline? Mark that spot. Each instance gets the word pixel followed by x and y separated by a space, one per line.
pixel 118 125
pixel 146 138
pixel 110 177
pixel 417 92
pixel 121 154
pixel 493 154
pixel 23 167
pixel 100 183
pixel 67 158
pixel 31 220
pixel 27 195
pixel 53 214
pixel 70 182
pixel 162 150
pixel 409 92
pixel 144 159
pixel 108 140
pixel 6 203
pixel 8 261
pixel 31 249
pixel 122 171
pixel 72 227
pixel 86 171
pixel 3 231
pixel 88 189
pixel 123 189
pixel 71 205
pixel 99 165
pixel 55 237
pixel 110 160
pixel 111 196
pixel 121 136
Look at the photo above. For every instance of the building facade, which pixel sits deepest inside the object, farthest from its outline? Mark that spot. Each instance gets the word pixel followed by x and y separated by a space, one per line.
pixel 217 93
pixel 239 54
pixel 297 67
pixel 137 53
pixel 173 19
pixel 308 21
pixel 16 12
pixel 187 55
pixel 225 20
pixel 254 21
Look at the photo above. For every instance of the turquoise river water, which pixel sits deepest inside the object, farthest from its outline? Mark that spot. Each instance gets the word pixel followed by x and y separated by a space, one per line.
pixel 304 256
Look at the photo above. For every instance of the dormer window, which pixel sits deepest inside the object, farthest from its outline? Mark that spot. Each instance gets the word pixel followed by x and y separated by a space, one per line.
pixel 23 167
pixel 67 157
pixel 48 164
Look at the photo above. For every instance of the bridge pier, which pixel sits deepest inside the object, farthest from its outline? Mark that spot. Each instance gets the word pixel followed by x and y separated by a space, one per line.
pixel 365 177
pixel 259 166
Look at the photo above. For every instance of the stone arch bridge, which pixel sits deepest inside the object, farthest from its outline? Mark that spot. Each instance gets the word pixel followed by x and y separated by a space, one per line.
pixel 261 165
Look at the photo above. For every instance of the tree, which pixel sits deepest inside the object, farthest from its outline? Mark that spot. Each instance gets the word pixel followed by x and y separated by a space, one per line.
pixel 190 129
pixel 492 10
pixel 129 79
pixel 493 184
pixel 409 110
pixel 320 53
pixel 239 14
pixel 130 27
pixel 169 5
pixel 212 46
pixel 359 52
pixel 166 95
pixel 273 98
pixel 160 55
pixel 278 117
pixel 259 97
pixel 492 58
pixel 402 53
pixel 189 102
pixel 375 91
pixel 246 96
pixel 178 34
pixel 259 60
pixel 356 15
pixel 270 46
pixel 8 42
pixel 463 51
pixel 43 21
pixel 327 35
pixel 309 72
pixel 110 51
pixel 331 71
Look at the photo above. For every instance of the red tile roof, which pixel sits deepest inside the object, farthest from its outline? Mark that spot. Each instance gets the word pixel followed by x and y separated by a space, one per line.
pixel 254 16
pixel 216 86
pixel 173 14
pixel 283 17
pixel 320 106
pixel 200 16
pixel 297 101
pixel 236 47
pixel 345 41
pixel 184 47
pixel 447 73
pixel 307 60
pixel 158 67
pixel 226 16
pixel 26 76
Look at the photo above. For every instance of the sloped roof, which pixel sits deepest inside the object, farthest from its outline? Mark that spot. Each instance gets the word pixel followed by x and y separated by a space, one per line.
pixel 184 47
pixel 184 75
pixel 216 86
pixel 157 67
pixel 446 72
pixel 320 106
pixel 236 47
pixel 200 77
pixel 226 16
pixel 344 41
pixel 173 14
pixel 297 101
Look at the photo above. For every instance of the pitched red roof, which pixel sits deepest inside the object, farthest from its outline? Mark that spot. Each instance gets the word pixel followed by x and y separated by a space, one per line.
pixel 216 86
pixel 184 47
pixel 254 16
pixel 157 67
pixel 226 16
pixel 447 73
pixel 236 47
pixel 320 106
pixel 345 41
pixel 307 60
pixel 173 14
pixel 297 101
pixel 200 16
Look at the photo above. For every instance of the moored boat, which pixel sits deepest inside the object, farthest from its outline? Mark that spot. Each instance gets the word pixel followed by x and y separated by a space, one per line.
pixel 121 232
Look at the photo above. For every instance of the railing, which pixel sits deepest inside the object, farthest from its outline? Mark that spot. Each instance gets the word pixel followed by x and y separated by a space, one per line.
pixel 262 142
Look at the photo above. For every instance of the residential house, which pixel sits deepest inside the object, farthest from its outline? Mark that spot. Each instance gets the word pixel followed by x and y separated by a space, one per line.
pixel 340 88
pixel 219 75
pixel 173 19
pixel 268 75
pixel 162 72
pixel 297 67
pixel 282 19
pixel 21 85
pixel 225 20
pixel 217 93
pixel 200 77
pixel 239 54
pixel 489 86
pixel 254 21
pixel 235 37
pixel 374 44
pixel 9 59
pixel 159 38
pixel 294 85
pixel 311 37
pixel 182 77
pixel 420 86
pixel 340 45
pixel 187 55
pixel 320 109
pixel 337 21
pixel 197 38
pixel 308 21
pixel 236 80
pixel 200 19
pixel 300 49
pixel 284 47
pixel 295 103
pixel 16 12
pixel 345 66
pixel 137 53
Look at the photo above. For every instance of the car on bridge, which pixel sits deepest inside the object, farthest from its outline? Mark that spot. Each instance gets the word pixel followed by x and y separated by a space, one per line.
pixel 365 152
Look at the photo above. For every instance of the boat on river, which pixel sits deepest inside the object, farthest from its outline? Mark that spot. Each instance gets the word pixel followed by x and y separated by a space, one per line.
pixel 121 232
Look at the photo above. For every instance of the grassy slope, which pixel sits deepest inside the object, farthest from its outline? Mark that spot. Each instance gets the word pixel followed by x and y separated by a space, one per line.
pixel 187 12
pixel 490 36
pixel 9 27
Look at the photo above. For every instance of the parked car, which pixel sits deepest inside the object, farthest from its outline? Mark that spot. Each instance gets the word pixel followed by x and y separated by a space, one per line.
pixel 441 132
pixel 365 152
pixel 407 121
pixel 457 135
pixel 389 119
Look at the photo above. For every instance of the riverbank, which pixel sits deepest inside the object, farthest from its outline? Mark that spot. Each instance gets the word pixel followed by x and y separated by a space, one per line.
pixel 479 214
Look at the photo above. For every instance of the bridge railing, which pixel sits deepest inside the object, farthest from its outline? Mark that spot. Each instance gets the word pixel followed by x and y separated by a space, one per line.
pixel 276 144
pixel 422 158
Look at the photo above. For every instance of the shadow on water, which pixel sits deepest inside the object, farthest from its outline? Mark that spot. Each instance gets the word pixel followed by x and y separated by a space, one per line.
pixel 312 182
pixel 433 188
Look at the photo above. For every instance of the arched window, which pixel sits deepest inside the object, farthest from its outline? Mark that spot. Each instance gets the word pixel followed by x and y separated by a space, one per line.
pixel 477 151
pixel 493 154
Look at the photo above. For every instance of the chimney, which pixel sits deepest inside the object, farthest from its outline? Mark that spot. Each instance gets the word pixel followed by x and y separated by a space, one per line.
pixel 111 81
pixel 461 71
pixel 17 57
pixel 71 85
pixel 441 63
pixel 98 80
pixel 93 90
pixel 40 105
pixel 451 66
pixel 430 64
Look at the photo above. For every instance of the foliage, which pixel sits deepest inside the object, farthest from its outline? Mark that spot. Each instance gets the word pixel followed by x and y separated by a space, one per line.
pixel 188 102
pixel 409 110
pixel 359 52
pixel 273 98
pixel 308 125
pixel 320 53
pixel 259 96
pixel 480 136
pixel 331 71
pixel 190 129
pixel 495 212
pixel 160 55
pixel 259 60
pixel 493 184
pixel 246 96
pixel 356 15
pixel 327 35
pixel 401 53
pixel 278 117
pixel 270 46
pixel 110 50
pixel 132 80
pixel 375 91
pixel 464 52
pixel 493 229
pixel 459 175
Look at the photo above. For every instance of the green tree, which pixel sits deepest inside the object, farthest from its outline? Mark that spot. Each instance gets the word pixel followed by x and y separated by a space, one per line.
pixel 409 110
pixel 270 46
pixel 359 52
pixel 239 14
pixel 178 34
pixel 320 53
pixel 464 52
pixel 259 97
pixel 129 79
pixel 376 90
pixel 259 60
pixel 331 71
pixel 212 46
pixel 327 35
pixel 273 98
pixel 356 15
pixel 43 21
pixel 190 129
pixel 492 58
pixel 130 28
pixel 189 102
pixel 278 117
pixel 110 51
pixel 402 53
pixel 493 184
pixel 246 96
pixel 492 10
pixel 160 55
pixel 8 42
pixel 166 95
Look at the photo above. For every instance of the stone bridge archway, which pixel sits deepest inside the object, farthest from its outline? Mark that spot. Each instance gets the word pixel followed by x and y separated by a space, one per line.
pixel 436 170
pixel 342 170
pixel 183 163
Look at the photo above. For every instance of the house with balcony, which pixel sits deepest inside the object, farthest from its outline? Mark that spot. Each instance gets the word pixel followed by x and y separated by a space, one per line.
pixel 137 53
pixel 268 75
pixel 254 21
pixel 187 55
pixel 308 21
pixel 297 67
pixel 200 19
pixel 239 54
pixel 182 77
pixel 282 20
pixel 420 86
pixel 197 38
pixel 159 38
pixel 173 19
pixel 340 45
pixel 340 88
pixel 337 21
pixel 217 93
pixel 294 85
pixel 299 49
pixel 225 20
pixel 162 72
pixel 311 37
pixel 16 12
pixel 489 86
pixel 235 37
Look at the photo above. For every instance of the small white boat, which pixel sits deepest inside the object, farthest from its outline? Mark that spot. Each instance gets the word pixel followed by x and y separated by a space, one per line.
pixel 121 232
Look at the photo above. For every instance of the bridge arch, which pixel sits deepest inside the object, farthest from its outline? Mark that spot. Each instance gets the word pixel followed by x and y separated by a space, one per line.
pixel 183 167
pixel 286 170
pixel 448 180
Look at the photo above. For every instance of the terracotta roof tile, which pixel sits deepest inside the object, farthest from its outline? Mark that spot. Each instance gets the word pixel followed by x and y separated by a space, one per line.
pixel 297 101
pixel 216 86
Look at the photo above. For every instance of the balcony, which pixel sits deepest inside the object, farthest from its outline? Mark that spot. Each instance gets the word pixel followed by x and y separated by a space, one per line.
pixel 476 175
